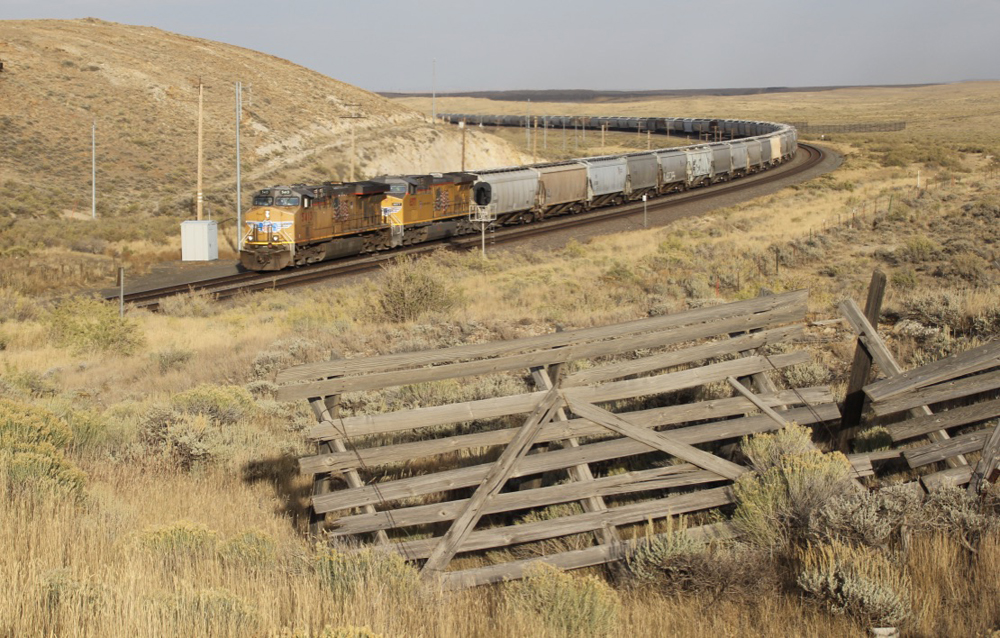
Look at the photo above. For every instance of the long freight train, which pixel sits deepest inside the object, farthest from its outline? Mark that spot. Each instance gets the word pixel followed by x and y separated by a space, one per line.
pixel 302 224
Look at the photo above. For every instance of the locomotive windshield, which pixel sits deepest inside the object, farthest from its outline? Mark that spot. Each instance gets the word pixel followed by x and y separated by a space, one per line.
pixel 262 201
pixel 286 201
pixel 397 189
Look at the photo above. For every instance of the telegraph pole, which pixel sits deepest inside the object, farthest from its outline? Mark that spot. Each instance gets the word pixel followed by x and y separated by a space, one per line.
pixel 353 116
pixel 462 126
pixel 200 196
pixel 239 183
pixel 434 92
pixel 93 170
pixel 527 126
pixel 534 147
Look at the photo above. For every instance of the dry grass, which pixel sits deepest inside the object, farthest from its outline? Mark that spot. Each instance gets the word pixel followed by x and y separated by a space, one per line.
pixel 227 491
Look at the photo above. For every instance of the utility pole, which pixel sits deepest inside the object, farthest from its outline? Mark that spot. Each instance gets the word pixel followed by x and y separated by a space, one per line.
pixel 121 292
pixel 462 126
pixel 239 182
pixel 200 196
pixel 545 132
pixel 604 127
pixel 352 116
pixel 649 140
pixel 564 134
pixel 534 146
pixel 93 170
pixel 434 63
pixel 527 127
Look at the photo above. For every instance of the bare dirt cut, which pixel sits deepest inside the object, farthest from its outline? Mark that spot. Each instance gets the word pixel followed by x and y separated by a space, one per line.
pixel 159 493
pixel 139 85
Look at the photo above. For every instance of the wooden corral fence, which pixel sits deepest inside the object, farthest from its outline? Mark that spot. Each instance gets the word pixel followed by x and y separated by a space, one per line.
pixel 935 414
pixel 621 421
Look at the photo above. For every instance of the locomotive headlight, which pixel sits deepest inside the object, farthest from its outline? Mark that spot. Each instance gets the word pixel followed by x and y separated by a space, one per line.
pixel 267 214
pixel 275 238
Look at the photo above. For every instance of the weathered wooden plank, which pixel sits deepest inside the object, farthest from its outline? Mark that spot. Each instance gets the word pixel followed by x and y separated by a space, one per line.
pixel 933 452
pixel 881 455
pixel 325 411
pixel 977 359
pixel 656 417
pixel 659 478
pixel 854 400
pixel 760 405
pixel 870 339
pixel 952 418
pixel 590 503
pixel 657 440
pixel 988 461
pixel 938 393
pixel 446 546
pixel 952 477
pixel 861 466
pixel 312 371
pixel 575 559
pixel 561 459
pixel 577 523
pixel 373 381
pixel 521 403
pixel 679 357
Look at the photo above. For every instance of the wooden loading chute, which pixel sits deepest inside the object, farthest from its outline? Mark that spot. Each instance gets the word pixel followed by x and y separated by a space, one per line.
pixel 672 447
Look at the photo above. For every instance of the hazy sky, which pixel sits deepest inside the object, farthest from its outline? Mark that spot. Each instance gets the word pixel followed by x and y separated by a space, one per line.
pixel 388 45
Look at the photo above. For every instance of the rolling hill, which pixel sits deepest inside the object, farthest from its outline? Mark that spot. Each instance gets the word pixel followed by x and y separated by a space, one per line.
pixel 140 86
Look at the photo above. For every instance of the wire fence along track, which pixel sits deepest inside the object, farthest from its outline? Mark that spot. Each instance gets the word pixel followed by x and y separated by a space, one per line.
pixel 229 286
pixel 829 129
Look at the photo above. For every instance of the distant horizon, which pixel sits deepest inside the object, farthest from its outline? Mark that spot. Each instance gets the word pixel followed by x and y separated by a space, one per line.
pixel 799 88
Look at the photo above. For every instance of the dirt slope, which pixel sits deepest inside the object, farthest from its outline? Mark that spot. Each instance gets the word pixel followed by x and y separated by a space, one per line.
pixel 140 86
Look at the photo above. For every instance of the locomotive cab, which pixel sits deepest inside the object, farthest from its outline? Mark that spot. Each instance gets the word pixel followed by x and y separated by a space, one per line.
pixel 273 223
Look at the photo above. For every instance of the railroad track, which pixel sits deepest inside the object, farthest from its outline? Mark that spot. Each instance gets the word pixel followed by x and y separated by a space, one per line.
pixel 251 281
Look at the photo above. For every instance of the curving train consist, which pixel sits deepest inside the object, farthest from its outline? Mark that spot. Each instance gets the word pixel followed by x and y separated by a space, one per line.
pixel 302 224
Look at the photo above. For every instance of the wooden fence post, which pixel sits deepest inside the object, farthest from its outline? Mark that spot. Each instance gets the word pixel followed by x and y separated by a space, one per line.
pixel 854 400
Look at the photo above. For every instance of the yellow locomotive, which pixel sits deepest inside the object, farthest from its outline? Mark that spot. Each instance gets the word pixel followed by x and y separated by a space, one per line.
pixel 303 224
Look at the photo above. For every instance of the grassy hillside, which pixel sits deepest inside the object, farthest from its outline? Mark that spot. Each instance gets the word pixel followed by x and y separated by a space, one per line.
pixel 140 86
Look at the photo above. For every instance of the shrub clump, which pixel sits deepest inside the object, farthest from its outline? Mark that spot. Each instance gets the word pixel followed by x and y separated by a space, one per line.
pixel 170 359
pixel 875 518
pixel 191 304
pixel 856 581
pixel 566 605
pixel 31 451
pixel 652 557
pixel 408 289
pixel 873 439
pixel 185 440
pixel 224 404
pixel 180 540
pixel 791 481
pixel 87 324
pixel 251 549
